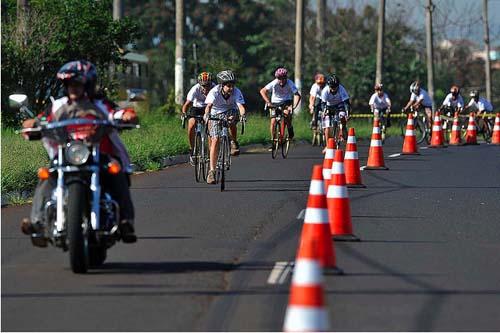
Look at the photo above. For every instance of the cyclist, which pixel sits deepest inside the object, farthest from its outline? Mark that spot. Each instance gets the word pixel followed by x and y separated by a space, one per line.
pixel 482 105
pixel 196 98
pixel 334 97
pixel 419 97
pixel 315 98
pixel 453 101
pixel 79 78
pixel 283 92
pixel 380 103
pixel 223 99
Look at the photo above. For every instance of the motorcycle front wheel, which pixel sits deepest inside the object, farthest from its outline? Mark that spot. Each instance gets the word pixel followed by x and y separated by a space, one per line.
pixel 77 220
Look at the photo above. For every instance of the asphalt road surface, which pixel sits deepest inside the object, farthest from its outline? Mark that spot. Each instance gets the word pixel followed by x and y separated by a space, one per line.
pixel 429 259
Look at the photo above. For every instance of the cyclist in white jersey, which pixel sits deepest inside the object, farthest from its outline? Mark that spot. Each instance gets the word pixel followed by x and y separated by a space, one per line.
pixel 196 98
pixel 315 98
pixel 482 105
pixel 453 102
pixel 335 100
pixel 420 97
pixel 283 92
pixel 379 102
pixel 223 99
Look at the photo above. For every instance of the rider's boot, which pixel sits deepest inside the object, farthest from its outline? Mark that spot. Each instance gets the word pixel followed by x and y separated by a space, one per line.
pixel 35 230
pixel 127 231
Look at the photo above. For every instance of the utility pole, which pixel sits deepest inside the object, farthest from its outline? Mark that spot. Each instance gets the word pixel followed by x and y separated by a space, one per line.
pixel 179 51
pixel 487 50
pixel 430 51
pixel 320 29
pixel 299 46
pixel 380 41
pixel 22 14
pixel 117 10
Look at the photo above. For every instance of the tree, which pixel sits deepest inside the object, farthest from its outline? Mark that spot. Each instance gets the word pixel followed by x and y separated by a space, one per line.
pixel 57 32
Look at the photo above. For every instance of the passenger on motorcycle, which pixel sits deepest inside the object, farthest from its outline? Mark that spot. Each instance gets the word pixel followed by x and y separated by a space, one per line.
pixel 196 98
pixel 315 98
pixel 223 99
pixel 335 101
pixel 453 102
pixel 283 92
pixel 419 97
pixel 380 104
pixel 79 79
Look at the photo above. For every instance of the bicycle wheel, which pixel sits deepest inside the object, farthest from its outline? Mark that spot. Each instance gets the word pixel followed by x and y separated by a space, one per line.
pixel 227 157
pixel 285 141
pixel 276 139
pixel 420 130
pixel 222 156
pixel 205 157
pixel 198 162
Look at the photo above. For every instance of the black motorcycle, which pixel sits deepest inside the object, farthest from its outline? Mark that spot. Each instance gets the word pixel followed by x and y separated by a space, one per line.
pixel 81 216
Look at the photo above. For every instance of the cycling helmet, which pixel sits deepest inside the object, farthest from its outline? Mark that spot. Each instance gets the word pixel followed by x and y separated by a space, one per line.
pixel 455 90
pixel 333 81
pixel 474 94
pixel 281 73
pixel 378 86
pixel 226 76
pixel 319 79
pixel 204 78
pixel 80 71
pixel 414 87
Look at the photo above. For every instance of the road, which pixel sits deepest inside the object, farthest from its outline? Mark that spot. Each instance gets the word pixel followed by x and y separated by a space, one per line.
pixel 429 259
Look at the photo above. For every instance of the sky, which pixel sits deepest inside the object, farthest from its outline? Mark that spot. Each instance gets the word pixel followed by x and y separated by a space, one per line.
pixel 452 19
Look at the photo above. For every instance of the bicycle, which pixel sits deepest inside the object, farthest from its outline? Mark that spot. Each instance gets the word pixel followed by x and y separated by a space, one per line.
pixel 200 153
pixel 317 129
pixel 280 136
pixel 337 127
pixel 422 130
pixel 383 121
pixel 447 117
pixel 224 155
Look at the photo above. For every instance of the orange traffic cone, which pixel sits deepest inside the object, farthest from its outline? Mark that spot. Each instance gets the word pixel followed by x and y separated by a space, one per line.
pixel 316 220
pixel 410 143
pixel 351 162
pixel 455 136
pixel 339 207
pixel 437 136
pixel 327 162
pixel 471 135
pixel 376 153
pixel 495 138
pixel 306 305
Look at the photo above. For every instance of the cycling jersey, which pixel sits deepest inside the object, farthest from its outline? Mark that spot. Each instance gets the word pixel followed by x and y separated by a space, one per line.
pixel 458 102
pixel 280 94
pixel 316 92
pixel 196 96
pixel 334 99
pixel 482 104
pixel 379 103
pixel 221 104
pixel 422 96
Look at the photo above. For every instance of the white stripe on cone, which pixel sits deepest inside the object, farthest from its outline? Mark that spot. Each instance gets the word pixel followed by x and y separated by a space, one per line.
pixel 327 173
pixel 316 216
pixel 337 191
pixel 376 130
pixel 307 272
pixel 351 155
pixel 316 187
pixel 410 122
pixel 471 128
pixel 454 128
pixel 496 128
pixel 436 128
pixel 337 168
pixel 329 154
pixel 351 139
pixel 409 133
pixel 305 319
pixel 375 143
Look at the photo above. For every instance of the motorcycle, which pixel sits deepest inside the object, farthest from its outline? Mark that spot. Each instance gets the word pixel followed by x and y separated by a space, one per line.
pixel 81 216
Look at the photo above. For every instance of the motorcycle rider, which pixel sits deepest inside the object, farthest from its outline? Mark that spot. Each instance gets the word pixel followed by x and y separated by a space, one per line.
pixel 79 80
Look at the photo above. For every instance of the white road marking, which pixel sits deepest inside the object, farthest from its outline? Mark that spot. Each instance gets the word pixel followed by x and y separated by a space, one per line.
pixel 395 155
pixel 424 147
pixel 363 167
pixel 280 272
pixel 301 215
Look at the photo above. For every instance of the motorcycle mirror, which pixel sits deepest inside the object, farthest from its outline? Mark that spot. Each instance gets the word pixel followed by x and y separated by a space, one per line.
pixel 18 100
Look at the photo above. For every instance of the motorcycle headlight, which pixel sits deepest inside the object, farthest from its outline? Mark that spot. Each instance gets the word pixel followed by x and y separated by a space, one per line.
pixel 77 153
